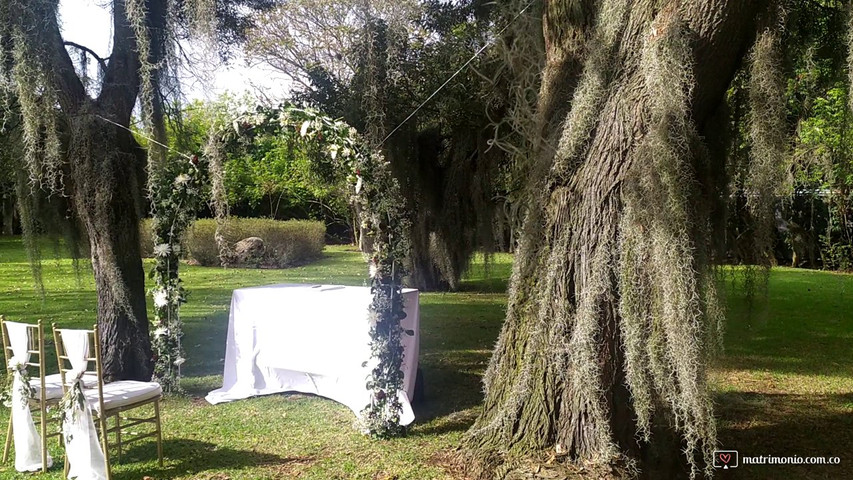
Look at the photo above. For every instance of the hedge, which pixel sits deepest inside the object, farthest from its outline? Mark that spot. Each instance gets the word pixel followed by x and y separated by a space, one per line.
pixel 286 243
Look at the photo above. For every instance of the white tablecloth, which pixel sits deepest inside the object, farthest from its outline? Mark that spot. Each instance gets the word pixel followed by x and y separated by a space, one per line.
pixel 310 339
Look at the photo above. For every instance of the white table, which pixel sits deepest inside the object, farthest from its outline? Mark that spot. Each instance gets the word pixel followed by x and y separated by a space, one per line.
pixel 309 339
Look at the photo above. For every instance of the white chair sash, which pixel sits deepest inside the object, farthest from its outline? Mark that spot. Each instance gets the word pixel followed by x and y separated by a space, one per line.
pixel 85 458
pixel 27 438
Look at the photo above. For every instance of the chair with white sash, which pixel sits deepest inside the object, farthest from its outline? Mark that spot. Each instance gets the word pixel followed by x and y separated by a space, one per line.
pixel 22 342
pixel 75 349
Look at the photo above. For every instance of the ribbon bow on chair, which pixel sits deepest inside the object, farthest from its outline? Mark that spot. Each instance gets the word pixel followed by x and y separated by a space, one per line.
pixel 76 376
pixel 27 439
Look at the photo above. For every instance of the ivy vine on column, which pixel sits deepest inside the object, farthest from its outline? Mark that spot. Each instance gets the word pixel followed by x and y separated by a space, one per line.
pixel 177 193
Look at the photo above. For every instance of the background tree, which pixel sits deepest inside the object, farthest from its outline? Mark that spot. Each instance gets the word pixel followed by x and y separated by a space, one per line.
pixel 613 315
pixel 818 221
pixel 821 213
pixel 10 153
pixel 266 176
pixel 811 222
pixel 95 161
pixel 373 63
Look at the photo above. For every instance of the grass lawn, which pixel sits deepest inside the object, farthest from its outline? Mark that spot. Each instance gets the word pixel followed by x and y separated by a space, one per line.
pixel 783 387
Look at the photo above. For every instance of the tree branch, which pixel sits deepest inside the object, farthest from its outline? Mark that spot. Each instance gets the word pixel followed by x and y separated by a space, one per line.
pixel 102 61
pixel 121 78
pixel 42 24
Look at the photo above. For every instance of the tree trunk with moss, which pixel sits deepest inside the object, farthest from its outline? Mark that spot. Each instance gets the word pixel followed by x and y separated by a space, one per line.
pixel 107 168
pixel 612 311
pixel 99 164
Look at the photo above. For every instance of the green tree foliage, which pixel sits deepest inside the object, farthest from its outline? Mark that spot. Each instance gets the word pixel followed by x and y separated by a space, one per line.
pixel 817 222
pixel 824 177
pixel 813 218
pixel 276 178
pixel 268 176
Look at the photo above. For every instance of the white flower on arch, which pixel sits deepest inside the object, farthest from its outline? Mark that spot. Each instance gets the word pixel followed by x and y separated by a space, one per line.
pixel 161 298
pixel 182 179
pixel 162 250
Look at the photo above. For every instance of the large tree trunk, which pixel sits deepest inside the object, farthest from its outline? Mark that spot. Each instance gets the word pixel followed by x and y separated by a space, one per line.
pixel 106 165
pixel 560 376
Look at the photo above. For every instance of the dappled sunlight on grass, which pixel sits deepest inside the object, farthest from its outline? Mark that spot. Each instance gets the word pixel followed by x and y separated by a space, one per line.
pixel 278 436
pixel 783 386
pixel 785 383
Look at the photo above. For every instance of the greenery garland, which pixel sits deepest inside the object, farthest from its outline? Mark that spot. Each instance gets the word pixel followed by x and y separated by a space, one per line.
pixel 27 391
pixel 72 403
pixel 177 193
pixel 334 148
pixel 385 221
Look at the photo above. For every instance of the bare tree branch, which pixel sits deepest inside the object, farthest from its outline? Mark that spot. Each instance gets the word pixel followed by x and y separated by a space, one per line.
pixel 102 61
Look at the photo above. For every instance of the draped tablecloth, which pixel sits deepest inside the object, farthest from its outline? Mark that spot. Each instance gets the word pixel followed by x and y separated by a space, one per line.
pixel 309 339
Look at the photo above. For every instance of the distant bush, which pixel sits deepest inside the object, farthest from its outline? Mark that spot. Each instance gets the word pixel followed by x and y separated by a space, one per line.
pixel 286 243
pixel 200 243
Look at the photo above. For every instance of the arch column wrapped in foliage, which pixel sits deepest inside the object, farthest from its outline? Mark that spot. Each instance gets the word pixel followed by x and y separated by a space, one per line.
pixel 176 194
pixel 335 149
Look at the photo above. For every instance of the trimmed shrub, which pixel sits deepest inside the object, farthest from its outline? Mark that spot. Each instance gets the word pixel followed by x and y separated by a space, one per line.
pixel 286 243
pixel 200 242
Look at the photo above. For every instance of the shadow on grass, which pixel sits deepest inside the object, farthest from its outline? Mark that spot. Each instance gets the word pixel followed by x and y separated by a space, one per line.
pixel 484 285
pixel 456 344
pixel 190 458
pixel 786 425
pixel 448 393
pixel 807 357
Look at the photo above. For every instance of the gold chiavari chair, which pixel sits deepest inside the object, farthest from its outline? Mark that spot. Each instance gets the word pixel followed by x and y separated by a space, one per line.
pixel 109 400
pixel 47 389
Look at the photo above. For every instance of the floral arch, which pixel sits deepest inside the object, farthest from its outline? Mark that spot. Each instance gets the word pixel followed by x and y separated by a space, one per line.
pixel 333 147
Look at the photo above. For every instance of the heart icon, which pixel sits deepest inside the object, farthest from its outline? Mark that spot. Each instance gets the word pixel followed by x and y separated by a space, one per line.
pixel 725 457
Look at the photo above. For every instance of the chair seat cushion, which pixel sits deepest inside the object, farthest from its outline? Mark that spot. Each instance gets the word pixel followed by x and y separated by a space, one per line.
pixel 123 393
pixel 53 385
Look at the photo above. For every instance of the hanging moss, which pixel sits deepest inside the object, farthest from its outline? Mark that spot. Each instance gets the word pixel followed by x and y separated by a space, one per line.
pixel 768 176
pixel 850 53
pixel 589 95
pixel 35 97
pixel 664 289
